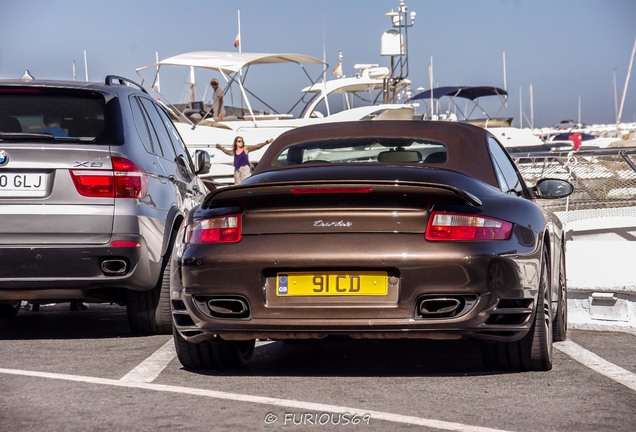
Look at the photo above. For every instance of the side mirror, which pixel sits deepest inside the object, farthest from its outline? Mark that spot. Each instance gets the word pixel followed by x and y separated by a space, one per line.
pixel 202 162
pixel 553 188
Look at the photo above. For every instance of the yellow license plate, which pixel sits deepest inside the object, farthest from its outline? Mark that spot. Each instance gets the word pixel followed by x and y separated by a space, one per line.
pixel 332 284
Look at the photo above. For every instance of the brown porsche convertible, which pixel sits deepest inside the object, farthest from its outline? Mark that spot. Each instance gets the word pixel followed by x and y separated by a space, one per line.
pixel 374 229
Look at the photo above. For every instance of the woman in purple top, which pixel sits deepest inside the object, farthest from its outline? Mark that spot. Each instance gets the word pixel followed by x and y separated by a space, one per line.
pixel 240 151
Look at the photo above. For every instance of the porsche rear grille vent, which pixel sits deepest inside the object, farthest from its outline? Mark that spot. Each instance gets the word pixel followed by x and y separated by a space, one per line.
pixel 178 305
pixel 511 312
pixel 444 306
pixel 182 320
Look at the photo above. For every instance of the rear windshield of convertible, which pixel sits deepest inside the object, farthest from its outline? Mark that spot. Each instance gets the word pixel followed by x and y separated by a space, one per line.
pixel 363 150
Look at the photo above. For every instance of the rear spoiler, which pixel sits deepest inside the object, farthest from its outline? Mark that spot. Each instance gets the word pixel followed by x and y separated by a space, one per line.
pixel 264 188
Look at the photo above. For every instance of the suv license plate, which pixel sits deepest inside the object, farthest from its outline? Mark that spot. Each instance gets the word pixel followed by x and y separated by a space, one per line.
pixel 22 185
pixel 332 284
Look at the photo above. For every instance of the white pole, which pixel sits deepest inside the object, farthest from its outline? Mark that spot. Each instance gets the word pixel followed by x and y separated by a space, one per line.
pixel 504 72
pixel 579 120
pixel 192 84
pixel 324 60
pixel 156 86
pixel 430 83
pixel 74 75
pixel 505 78
pixel 629 72
pixel 531 108
pixel 240 47
pixel 85 65
pixel 520 109
pixel 615 98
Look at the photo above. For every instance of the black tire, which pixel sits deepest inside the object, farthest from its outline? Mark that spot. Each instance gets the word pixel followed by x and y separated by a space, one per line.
pixel 9 309
pixel 149 311
pixel 209 355
pixel 560 326
pixel 534 350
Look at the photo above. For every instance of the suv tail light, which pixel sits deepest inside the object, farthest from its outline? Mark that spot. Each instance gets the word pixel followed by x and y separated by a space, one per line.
pixel 126 180
pixel 223 229
pixel 444 226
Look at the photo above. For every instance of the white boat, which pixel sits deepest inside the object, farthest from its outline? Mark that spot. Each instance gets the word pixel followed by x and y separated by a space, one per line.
pixel 513 138
pixel 342 99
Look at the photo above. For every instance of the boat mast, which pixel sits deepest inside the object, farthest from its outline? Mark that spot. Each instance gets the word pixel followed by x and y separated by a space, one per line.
pixel 394 43
pixel 629 72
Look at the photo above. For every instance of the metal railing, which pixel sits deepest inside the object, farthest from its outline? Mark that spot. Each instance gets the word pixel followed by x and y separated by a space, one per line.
pixel 604 180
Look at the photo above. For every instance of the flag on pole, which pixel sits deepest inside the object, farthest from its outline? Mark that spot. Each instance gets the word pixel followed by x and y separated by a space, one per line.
pixel 337 71
pixel 237 40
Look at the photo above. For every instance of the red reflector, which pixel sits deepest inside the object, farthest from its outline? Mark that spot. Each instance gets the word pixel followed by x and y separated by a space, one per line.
pixel 124 243
pixel 464 227
pixel 341 190
pixel 223 229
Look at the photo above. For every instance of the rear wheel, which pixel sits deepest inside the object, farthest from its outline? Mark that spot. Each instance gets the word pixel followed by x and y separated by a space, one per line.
pixel 9 309
pixel 213 354
pixel 149 311
pixel 534 350
pixel 560 326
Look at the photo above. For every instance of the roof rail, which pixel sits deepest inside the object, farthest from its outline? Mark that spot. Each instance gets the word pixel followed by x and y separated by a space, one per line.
pixel 119 80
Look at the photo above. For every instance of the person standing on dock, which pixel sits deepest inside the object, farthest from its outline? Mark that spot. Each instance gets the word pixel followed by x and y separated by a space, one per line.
pixel 242 166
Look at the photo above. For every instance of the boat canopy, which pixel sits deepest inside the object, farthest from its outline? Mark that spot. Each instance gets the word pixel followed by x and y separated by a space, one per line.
pixel 232 66
pixel 472 93
pixel 466 92
pixel 230 62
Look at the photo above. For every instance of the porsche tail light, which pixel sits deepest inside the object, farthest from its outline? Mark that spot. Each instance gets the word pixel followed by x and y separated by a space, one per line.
pixel 125 180
pixel 222 229
pixel 444 226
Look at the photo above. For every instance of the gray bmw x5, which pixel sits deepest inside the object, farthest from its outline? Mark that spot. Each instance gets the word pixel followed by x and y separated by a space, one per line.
pixel 94 183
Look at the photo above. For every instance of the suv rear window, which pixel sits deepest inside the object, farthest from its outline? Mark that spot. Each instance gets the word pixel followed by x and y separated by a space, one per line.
pixel 57 115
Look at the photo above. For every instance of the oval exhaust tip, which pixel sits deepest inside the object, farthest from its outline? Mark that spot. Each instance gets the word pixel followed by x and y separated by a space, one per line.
pixel 228 308
pixel 114 267
pixel 440 307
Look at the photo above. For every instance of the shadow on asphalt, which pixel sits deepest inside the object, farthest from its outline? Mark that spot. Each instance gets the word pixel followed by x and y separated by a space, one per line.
pixel 58 322
pixel 347 358
pixel 332 357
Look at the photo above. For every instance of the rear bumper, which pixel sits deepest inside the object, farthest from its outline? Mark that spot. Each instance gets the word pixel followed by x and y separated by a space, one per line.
pixel 496 291
pixel 54 271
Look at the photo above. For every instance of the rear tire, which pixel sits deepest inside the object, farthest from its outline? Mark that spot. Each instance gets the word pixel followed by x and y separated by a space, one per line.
pixel 9 309
pixel 213 354
pixel 534 350
pixel 149 311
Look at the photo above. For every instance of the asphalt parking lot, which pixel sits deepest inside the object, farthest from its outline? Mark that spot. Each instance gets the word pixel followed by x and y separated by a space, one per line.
pixel 72 371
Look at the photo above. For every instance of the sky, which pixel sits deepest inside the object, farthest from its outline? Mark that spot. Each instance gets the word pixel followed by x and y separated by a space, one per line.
pixel 558 59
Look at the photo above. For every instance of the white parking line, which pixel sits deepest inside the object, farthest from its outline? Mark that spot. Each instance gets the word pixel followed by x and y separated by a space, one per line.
pixel 282 403
pixel 148 370
pixel 142 376
pixel 598 364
